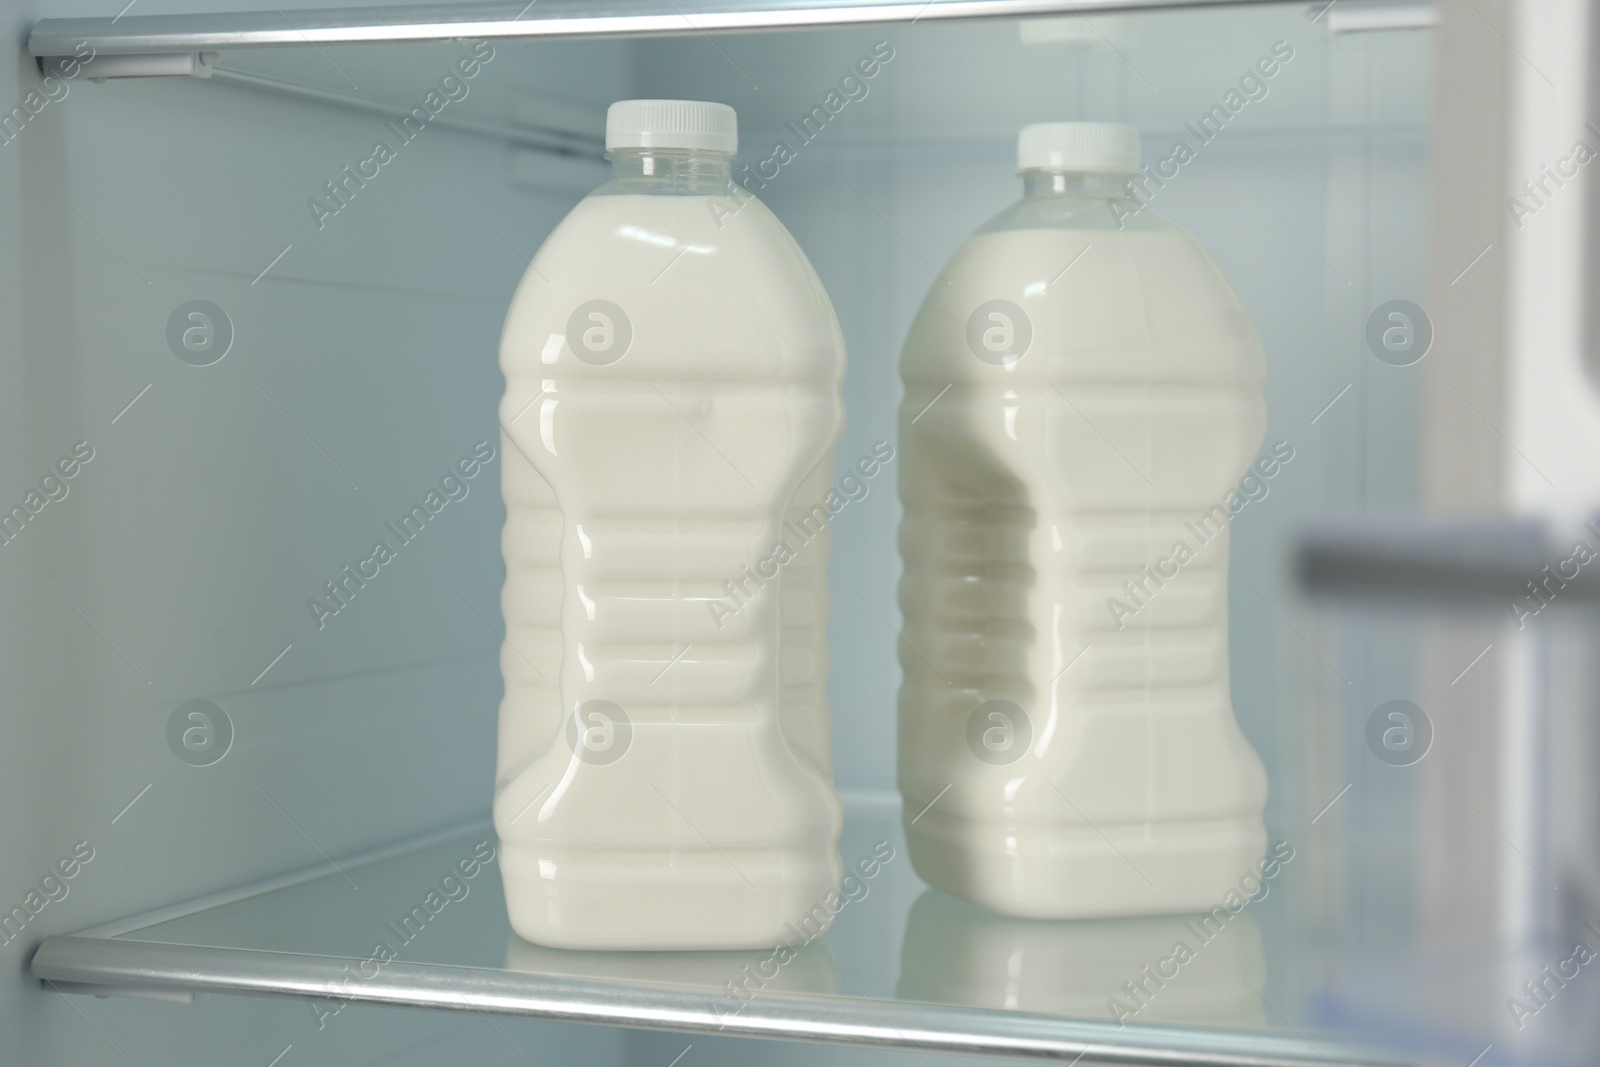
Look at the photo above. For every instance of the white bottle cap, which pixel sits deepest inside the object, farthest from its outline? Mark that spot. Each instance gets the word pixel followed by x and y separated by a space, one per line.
pixel 693 124
pixel 1087 147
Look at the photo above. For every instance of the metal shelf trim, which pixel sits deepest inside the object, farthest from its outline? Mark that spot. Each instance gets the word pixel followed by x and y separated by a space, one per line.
pixel 516 20
pixel 91 964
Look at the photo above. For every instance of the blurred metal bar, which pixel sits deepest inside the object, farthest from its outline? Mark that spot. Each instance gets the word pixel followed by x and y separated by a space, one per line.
pixel 1382 15
pixel 1486 565
pixel 520 20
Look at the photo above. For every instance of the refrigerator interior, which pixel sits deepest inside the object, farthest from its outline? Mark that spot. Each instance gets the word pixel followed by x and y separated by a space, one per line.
pixel 351 361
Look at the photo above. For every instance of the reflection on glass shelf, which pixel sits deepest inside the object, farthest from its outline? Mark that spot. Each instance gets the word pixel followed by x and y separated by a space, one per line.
pixel 901 965
pixel 730 977
pixel 1187 970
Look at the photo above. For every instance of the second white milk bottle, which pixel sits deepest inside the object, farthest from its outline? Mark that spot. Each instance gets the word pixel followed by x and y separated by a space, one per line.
pixel 1083 391
pixel 672 371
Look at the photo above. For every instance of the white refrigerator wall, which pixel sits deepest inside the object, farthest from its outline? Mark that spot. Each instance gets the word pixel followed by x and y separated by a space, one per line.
pixel 220 499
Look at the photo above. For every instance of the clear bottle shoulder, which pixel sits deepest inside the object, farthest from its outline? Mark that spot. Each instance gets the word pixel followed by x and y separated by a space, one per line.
pixel 674 185
pixel 1086 213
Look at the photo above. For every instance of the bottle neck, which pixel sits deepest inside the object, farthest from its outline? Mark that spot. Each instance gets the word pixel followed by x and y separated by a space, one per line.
pixel 671 171
pixel 1074 183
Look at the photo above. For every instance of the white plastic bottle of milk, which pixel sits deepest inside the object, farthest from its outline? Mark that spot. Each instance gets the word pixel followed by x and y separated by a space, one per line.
pixel 672 371
pixel 1083 390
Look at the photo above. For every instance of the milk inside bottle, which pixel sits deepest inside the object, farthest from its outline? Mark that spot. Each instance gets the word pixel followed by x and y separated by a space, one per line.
pixel 672 371
pixel 1083 391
